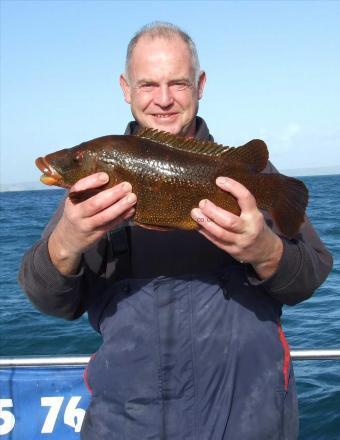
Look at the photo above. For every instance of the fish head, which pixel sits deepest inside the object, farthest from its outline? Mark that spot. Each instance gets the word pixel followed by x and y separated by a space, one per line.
pixel 65 167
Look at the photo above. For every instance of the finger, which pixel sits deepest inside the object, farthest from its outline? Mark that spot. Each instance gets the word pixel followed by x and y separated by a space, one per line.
pixel 244 197
pixel 104 199
pixel 211 238
pixel 223 218
pixel 93 181
pixel 113 224
pixel 230 248
pixel 198 216
pixel 111 213
pixel 212 228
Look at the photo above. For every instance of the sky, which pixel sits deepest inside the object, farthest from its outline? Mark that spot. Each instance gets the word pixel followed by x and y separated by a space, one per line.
pixel 273 70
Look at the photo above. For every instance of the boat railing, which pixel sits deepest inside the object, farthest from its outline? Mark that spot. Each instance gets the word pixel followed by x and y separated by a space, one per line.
pixel 82 360
pixel 46 396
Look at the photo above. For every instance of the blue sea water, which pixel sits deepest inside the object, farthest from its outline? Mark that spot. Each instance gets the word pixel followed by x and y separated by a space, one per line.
pixel 312 324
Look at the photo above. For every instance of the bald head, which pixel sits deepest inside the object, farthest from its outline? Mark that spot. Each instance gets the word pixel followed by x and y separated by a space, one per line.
pixel 168 32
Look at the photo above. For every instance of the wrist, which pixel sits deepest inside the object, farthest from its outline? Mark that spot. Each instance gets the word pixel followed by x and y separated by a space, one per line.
pixel 269 264
pixel 64 259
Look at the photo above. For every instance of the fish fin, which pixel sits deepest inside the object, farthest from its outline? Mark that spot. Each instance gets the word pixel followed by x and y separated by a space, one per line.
pixel 80 196
pixel 182 143
pixel 154 228
pixel 254 154
pixel 289 201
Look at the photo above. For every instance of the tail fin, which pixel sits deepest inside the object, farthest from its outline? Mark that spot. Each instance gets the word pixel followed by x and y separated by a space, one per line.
pixel 289 202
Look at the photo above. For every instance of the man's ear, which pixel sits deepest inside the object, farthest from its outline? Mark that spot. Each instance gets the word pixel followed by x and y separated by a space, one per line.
pixel 125 87
pixel 201 82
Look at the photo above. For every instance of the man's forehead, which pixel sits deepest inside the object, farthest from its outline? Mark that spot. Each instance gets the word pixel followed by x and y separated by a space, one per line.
pixel 161 56
pixel 153 44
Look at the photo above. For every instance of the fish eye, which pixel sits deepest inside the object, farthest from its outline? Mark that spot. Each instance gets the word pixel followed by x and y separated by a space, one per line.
pixel 77 158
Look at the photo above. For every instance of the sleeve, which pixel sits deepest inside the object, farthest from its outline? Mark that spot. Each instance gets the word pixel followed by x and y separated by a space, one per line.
pixel 304 266
pixel 58 295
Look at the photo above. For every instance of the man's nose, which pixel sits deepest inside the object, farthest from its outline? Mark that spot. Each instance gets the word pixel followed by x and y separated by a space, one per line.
pixel 163 96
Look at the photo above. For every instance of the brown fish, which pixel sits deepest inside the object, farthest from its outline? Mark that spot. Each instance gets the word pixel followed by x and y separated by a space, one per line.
pixel 171 174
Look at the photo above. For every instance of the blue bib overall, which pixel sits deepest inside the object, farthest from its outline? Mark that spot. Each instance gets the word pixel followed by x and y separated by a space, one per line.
pixel 189 357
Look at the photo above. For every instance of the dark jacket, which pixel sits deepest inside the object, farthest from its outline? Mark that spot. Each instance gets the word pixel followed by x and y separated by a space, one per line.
pixel 192 343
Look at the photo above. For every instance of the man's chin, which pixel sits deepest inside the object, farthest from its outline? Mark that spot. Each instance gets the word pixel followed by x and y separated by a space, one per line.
pixel 171 125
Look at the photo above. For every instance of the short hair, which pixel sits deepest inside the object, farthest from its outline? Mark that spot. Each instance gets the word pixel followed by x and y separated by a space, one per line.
pixel 162 29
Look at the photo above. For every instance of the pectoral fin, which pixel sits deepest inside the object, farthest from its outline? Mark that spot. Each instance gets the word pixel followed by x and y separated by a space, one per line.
pixel 80 196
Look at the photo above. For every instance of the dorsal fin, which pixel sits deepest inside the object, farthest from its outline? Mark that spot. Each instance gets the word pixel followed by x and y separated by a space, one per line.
pixel 254 154
pixel 182 143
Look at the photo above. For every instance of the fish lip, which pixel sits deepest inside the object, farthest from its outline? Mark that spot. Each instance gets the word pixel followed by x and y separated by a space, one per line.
pixel 47 169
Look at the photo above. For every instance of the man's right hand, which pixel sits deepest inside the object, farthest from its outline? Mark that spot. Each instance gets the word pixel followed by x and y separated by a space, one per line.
pixel 83 224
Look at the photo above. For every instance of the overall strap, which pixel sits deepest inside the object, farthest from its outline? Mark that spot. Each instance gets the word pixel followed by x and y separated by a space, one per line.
pixel 120 240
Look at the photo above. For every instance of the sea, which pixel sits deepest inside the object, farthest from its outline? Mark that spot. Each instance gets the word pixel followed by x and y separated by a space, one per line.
pixel 313 324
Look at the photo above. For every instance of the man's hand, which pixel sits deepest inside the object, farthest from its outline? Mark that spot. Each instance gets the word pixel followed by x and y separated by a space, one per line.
pixel 247 238
pixel 83 224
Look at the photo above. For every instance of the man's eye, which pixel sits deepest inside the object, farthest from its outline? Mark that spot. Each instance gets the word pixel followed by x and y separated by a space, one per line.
pixel 180 85
pixel 147 86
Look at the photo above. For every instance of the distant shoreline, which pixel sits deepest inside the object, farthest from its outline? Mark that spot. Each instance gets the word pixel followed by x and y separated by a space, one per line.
pixel 297 172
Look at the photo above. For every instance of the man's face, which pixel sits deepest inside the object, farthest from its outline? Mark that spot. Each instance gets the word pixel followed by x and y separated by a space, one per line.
pixel 161 87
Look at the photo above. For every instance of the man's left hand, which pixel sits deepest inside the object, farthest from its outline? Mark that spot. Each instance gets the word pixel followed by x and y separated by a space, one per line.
pixel 246 237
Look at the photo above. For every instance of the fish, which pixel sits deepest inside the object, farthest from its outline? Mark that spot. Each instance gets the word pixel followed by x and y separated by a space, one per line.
pixel 170 174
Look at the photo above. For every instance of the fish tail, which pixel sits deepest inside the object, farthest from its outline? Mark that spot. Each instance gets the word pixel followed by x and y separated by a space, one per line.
pixel 289 200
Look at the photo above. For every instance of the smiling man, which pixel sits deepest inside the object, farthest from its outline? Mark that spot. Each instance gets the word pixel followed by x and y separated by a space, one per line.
pixel 192 342
pixel 163 83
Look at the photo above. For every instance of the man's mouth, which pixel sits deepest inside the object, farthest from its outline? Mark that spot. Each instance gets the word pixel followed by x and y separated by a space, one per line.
pixel 165 115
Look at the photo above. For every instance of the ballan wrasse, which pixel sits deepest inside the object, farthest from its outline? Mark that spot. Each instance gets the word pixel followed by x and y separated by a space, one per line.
pixel 171 174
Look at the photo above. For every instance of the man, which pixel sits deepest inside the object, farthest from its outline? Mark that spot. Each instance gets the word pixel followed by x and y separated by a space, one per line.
pixel 192 343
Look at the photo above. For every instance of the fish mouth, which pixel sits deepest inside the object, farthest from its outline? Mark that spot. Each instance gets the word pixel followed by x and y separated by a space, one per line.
pixel 50 175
